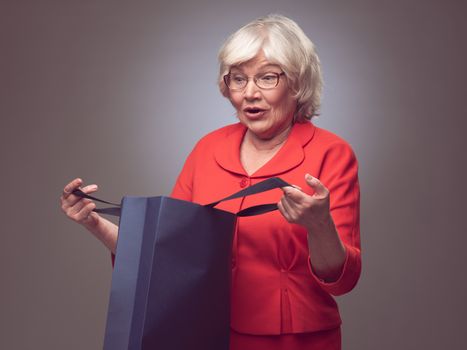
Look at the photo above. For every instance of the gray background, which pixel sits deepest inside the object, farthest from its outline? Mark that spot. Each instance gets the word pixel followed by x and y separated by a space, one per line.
pixel 118 93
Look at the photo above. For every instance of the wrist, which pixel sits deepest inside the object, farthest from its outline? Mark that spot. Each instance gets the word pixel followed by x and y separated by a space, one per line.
pixel 320 225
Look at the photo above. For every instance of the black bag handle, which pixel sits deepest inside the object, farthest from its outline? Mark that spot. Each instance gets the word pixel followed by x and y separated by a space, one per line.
pixel 263 186
pixel 114 211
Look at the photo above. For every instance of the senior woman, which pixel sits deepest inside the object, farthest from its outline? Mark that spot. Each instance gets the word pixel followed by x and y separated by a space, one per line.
pixel 287 265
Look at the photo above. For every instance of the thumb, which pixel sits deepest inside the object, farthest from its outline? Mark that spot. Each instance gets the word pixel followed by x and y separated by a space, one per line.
pixel 293 192
pixel 316 185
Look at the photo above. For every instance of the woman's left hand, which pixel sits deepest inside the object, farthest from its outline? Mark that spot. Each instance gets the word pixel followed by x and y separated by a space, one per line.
pixel 327 252
pixel 311 212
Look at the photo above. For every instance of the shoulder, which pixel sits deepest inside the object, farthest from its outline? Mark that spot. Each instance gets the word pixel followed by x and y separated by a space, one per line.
pixel 328 138
pixel 328 141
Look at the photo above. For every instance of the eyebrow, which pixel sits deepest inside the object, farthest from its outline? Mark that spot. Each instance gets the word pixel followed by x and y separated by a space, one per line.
pixel 265 65
pixel 268 65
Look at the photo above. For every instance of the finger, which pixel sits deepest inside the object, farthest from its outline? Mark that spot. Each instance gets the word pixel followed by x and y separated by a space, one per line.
pixel 68 202
pixel 317 186
pixel 283 211
pixel 92 218
pixel 76 208
pixel 84 214
pixel 90 188
pixel 289 208
pixel 71 186
pixel 72 199
pixel 294 194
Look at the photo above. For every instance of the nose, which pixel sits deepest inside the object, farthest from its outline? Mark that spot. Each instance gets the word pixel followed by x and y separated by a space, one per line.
pixel 252 91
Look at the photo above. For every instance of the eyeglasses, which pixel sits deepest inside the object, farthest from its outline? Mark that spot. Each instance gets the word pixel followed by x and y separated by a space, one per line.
pixel 265 81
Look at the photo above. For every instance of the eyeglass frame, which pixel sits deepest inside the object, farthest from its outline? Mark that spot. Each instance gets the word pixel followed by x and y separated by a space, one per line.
pixel 255 80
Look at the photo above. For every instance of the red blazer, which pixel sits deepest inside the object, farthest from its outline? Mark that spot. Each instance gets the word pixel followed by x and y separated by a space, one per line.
pixel 274 289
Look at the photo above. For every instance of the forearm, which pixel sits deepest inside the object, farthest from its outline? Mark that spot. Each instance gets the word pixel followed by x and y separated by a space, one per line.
pixel 106 232
pixel 327 252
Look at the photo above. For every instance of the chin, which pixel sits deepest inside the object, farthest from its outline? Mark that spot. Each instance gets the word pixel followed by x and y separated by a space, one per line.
pixel 255 125
pixel 262 131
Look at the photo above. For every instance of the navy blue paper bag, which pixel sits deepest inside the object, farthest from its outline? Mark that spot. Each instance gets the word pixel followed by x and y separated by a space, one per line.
pixel 171 279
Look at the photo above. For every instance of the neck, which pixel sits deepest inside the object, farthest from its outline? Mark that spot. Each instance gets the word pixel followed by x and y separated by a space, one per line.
pixel 267 144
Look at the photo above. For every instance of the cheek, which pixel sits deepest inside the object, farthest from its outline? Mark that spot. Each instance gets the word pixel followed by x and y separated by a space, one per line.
pixel 282 103
pixel 236 102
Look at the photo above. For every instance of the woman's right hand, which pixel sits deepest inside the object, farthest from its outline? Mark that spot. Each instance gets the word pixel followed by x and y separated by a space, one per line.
pixel 81 211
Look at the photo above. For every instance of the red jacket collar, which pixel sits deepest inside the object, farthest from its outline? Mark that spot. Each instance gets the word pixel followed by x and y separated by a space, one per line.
pixel 289 156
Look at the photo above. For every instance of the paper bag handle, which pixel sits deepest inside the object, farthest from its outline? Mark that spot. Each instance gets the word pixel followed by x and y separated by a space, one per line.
pixel 263 186
pixel 114 211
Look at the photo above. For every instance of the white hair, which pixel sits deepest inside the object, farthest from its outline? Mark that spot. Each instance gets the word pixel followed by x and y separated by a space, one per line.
pixel 284 43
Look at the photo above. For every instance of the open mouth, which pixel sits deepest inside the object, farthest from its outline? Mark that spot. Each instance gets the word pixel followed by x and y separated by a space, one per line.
pixel 253 111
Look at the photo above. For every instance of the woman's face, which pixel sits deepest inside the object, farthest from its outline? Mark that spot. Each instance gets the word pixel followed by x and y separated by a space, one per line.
pixel 266 113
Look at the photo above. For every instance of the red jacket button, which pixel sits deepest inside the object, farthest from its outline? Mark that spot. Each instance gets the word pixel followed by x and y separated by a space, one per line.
pixel 243 182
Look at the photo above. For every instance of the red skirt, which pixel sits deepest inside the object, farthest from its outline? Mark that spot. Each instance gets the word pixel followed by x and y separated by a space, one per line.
pixel 324 340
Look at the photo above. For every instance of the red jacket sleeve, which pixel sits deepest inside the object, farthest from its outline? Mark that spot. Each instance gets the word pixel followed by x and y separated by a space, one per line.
pixel 339 173
pixel 183 187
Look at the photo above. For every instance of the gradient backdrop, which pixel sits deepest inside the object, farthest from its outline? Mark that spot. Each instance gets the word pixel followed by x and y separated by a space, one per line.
pixel 118 92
